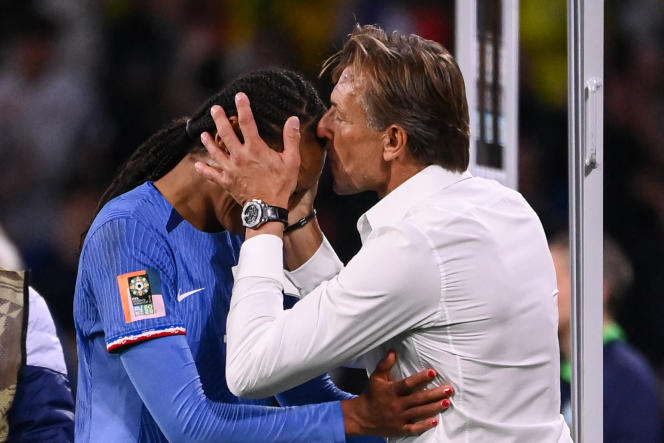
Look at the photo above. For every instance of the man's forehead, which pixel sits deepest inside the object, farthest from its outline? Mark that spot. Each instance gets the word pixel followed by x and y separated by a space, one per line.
pixel 348 82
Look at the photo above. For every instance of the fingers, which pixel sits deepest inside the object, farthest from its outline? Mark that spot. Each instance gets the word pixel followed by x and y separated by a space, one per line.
pixel 415 382
pixel 224 129
pixel 245 117
pixel 212 174
pixel 217 154
pixel 291 153
pixel 384 366
pixel 413 415
pixel 421 426
pixel 428 396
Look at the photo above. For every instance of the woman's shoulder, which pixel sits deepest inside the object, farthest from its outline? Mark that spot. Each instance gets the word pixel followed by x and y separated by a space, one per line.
pixel 143 206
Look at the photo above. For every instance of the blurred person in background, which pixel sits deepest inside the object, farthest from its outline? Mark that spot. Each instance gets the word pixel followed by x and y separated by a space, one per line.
pixel 153 292
pixel 36 402
pixel 47 166
pixel 38 160
pixel 631 401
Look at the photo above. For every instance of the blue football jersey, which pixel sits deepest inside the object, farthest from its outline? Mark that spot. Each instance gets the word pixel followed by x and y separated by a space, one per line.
pixel 145 272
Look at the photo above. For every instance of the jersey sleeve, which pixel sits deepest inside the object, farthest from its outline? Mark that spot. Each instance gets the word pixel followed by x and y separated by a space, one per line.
pixel 130 274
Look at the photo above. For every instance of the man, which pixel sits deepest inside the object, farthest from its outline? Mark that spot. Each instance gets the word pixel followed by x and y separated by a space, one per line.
pixel 454 271
pixel 627 374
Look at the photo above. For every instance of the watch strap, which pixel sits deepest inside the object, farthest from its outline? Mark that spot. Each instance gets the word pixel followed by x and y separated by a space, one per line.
pixel 275 213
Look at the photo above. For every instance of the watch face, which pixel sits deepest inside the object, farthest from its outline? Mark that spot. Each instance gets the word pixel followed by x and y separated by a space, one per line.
pixel 251 214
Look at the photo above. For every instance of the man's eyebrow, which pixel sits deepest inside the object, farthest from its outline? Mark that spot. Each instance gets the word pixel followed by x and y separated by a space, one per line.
pixel 336 105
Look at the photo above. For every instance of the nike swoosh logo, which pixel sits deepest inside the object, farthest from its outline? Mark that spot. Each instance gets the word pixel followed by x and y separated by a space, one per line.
pixel 187 294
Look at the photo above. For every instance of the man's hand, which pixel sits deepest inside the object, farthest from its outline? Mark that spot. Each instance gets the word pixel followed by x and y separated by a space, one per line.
pixel 390 408
pixel 251 169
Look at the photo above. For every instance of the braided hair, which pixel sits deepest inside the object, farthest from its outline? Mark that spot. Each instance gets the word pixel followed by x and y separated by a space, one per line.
pixel 275 95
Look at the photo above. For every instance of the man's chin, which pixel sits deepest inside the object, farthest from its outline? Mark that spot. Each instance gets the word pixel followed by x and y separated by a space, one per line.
pixel 343 189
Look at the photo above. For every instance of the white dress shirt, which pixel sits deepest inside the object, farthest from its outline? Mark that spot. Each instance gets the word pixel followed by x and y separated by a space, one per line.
pixel 454 273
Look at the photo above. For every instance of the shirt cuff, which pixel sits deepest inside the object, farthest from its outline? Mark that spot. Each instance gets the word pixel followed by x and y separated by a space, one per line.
pixel 322 266
pixel 261 256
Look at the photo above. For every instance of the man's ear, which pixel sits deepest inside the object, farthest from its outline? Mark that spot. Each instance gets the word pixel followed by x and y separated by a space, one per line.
pixel 236 127
pixel 395 139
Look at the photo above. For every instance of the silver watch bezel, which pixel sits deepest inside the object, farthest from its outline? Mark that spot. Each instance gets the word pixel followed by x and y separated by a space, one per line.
pixel 260 205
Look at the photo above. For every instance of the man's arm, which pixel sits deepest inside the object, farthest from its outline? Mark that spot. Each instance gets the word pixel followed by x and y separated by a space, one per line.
pixel 373 299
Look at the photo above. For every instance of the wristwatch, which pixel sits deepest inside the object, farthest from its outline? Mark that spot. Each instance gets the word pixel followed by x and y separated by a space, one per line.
pixel 256 212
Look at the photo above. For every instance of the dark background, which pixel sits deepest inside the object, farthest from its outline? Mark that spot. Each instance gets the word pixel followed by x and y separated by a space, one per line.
pixel 82 84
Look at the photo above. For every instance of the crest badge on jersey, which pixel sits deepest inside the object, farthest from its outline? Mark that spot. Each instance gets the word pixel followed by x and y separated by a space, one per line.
pixel 141 294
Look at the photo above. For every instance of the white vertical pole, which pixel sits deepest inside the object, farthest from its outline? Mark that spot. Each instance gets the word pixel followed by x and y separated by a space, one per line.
pixel 585 78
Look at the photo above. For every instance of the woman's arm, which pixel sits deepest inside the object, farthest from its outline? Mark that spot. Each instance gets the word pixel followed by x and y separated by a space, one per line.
pixel 165 376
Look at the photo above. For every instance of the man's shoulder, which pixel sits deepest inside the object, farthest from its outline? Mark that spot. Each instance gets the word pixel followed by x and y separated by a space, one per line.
pixel 465 200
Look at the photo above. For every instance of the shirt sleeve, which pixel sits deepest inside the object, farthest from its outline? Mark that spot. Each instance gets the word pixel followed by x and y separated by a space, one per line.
pixel 391 285
pixel 164 374
pixel 320 267
pixel 130 274
pixel 43 347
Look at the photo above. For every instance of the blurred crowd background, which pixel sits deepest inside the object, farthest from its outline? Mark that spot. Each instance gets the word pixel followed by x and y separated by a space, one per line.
pixel 82 84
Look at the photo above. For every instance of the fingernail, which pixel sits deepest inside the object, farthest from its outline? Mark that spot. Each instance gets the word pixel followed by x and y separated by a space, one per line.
pixel 445 403
pixel 238 97
pixel 434 422
pixel 296 124
pixel 215 109
pixel 432 373
pixel 449 390
pixel 197 166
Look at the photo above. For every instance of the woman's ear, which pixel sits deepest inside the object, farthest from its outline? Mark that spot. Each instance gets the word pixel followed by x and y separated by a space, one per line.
pixel 395 139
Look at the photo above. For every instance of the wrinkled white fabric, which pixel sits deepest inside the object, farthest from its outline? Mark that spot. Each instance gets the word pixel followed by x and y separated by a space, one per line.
pixel 454 274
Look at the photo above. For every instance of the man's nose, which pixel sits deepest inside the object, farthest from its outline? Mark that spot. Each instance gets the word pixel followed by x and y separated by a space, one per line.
pixel 323 129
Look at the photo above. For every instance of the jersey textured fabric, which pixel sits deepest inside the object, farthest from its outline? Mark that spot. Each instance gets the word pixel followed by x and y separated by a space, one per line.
pixel 454 273
pixel 145 272
pixel 173 394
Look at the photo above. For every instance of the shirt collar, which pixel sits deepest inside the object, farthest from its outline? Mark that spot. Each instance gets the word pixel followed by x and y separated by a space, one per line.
pixel 394 206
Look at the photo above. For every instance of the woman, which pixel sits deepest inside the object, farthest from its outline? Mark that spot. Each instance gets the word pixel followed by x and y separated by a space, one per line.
pixel 154 284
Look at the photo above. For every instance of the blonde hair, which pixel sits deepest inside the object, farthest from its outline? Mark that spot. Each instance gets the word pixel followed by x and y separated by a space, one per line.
pixel 414 83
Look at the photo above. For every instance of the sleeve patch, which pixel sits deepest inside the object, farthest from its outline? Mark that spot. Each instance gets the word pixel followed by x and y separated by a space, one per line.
pixel 141 295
